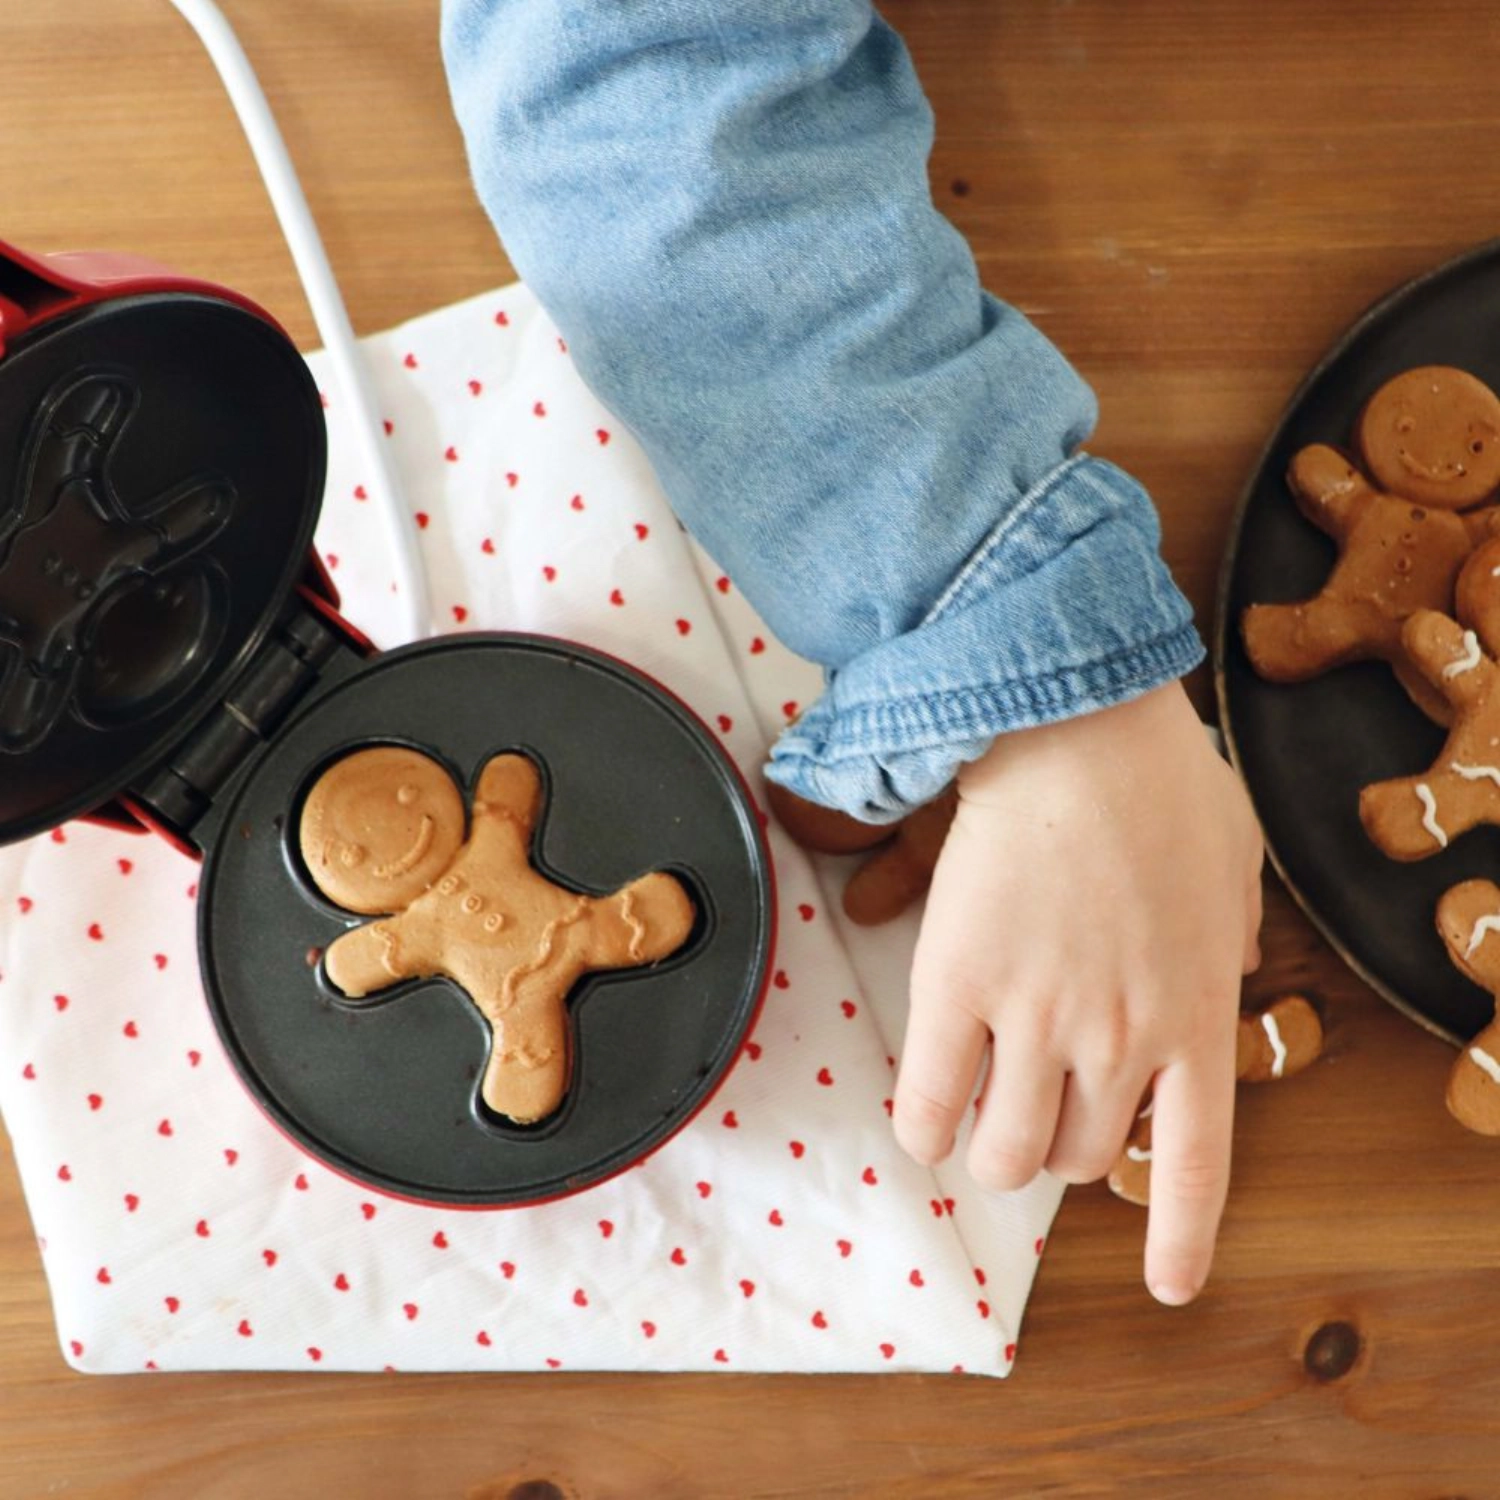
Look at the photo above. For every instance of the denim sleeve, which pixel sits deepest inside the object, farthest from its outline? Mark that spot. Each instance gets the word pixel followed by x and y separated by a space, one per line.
pixel 724 206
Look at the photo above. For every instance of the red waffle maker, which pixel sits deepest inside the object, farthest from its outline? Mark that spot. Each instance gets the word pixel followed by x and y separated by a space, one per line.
pixel 172 659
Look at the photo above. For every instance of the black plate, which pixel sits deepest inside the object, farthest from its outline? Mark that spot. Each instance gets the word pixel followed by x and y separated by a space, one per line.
pixel 1306 750
pixel 386 1092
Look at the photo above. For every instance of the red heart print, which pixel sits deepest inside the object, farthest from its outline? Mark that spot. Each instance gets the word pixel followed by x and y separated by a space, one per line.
pixel 360 493
pixel 172 1304
pixel 192 891
pixel 825 1078
pixel 704 1189
pixel 314 1353
pixel 562 346
pixel 539 410
pixel 423 520
pixel 165 1128
pixel 300 1183
pixel 984 1309
pixel 606 1228
pixel 757 646
pixel 948 1207
pixel 440 1241
pixel 797 1148
pixel 916 1279
pixel 549 573
pixel 460 613
pixel 1010 1354
pixel 580 1298
pixel 937 1208
pixel 776 1218
pixel 60 1002
pixel 725 723
pixel 25 903
pixel 58 836
pixel 126 866
pixel 553 1364
pixel 65 1173
pixel 245 1330
pixel 76 1347
pixel 889 1350
pixel 868 1177
pixel 411 1310
pixel 781 981
pixel 131 1203
pixel 487 546
pixel 890 1107
pixel 475 388
pixel 269 1256
pixel 512 480
pixel 748 1288
pixel 979 1276
pixel 678 1259
pixel 130 1029
pixel 29 1072
pixel 731 1120
pixel 616 597
pixel 102 1276
pixel 642 531
pixel 722 584
pixel 368 1210
pixel 160 960
pixel 818 1320
pixel 805 911
pixel 603 436
pixel 96 1101
pixel 202 1230
pixel 482 1338
pixel 502 319
pixel 410 361
pixel 849 1009
pixel 341 1282
pixel 576 503
pixel 789 708
pixel 194 1058
pixel 684 627
pixel 649 1329
pixel 451 454
pixel 753 1051
pixel 389 426
pixel 96 932
pixel 721 1357
pixel 1039 1246
pixel 507 1270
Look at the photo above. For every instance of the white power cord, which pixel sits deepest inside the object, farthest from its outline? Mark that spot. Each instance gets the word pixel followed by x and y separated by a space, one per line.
pixel 327 303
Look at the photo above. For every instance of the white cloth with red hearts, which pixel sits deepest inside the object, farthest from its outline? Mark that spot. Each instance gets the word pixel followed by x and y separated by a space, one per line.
pixel 782 1230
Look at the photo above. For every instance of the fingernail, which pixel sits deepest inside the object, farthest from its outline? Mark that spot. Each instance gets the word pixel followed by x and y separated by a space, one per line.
pixel 1173 1296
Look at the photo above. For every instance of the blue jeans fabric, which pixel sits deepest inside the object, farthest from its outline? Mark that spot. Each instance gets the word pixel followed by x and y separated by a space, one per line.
pixel 724 206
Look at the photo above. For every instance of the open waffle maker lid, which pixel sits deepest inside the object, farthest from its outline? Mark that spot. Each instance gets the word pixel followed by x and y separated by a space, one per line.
pixel 162 457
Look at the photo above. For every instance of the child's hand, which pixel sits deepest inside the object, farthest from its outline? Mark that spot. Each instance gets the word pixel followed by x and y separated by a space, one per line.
pixel 1094 909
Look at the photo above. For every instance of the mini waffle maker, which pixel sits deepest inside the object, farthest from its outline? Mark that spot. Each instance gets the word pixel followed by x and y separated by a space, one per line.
pixel 172 658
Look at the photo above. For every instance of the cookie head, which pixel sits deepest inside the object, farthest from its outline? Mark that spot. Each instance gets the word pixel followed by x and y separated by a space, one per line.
pixel 380 827
pixel 1433 435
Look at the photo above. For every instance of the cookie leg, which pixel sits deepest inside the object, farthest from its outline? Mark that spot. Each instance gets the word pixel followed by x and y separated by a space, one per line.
pixel 1293 642
pixel 1415 817
pixel 1474 1084
pixel 1130 1177
pixel 531 1052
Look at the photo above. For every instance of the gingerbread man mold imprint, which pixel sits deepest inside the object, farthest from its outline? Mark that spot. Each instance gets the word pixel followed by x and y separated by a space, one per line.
pixel 382 833
pixel 71 551
pixel 1429 440
pixel 1468 920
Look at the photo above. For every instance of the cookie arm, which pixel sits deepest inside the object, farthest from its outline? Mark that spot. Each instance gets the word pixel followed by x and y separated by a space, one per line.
pixel 509 787
pixel 366 960
pixel 1468 921
pixel 1330 491
pixel 1448 657
pixel 644 923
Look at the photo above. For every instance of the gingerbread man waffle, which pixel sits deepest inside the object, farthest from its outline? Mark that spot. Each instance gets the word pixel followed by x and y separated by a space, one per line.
pixel 1416 816
pixel 382 832
pixel 1468 919
pixel 1430 439
pixel 1273 1043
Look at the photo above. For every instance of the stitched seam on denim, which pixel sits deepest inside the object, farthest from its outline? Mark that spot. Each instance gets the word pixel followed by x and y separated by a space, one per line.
pixel 992 708
pixel 999 532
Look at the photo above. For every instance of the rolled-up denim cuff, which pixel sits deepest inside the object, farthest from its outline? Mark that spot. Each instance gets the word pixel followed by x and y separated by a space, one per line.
pixel 1064 609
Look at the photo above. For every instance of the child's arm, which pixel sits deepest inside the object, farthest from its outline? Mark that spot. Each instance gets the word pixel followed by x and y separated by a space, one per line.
pixel 724 205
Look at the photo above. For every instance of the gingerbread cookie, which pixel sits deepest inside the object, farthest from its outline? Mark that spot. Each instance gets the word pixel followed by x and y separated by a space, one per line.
pixel 899 870
pixel 1468 920
pixel 1277 1042
pixel 1413 817
pixel 379 834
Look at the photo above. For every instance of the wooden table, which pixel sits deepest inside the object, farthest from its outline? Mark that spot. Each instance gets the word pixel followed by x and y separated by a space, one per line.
pixel 1193 199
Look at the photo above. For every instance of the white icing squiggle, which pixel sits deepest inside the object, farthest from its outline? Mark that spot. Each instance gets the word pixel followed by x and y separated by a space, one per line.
pixel 1278 1047
pixel 1429 814
pixel 1482 926
pixel 1136 1154
pixel 1469 660
pixel 1486 1062
pixel 1476 773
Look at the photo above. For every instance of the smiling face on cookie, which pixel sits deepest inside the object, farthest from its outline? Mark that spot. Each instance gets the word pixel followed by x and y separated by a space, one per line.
pixel 380 827
pixel 1433 435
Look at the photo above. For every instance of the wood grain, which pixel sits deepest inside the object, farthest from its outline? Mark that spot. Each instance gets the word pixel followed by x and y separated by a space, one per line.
pixel 1193 199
